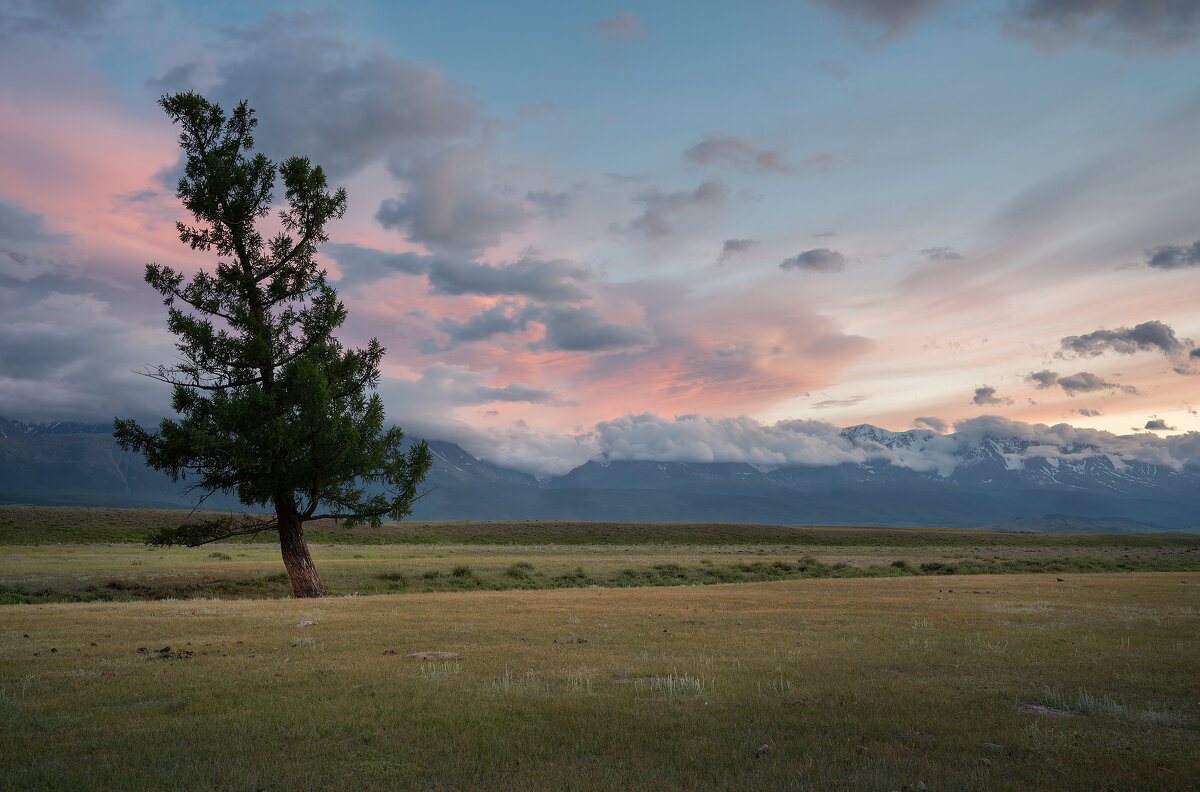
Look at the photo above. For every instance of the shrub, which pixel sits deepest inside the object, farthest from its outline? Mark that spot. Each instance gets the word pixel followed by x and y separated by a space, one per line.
pixel 519 571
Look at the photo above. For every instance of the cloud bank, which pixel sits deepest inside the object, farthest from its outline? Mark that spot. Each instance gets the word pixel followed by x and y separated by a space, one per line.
pixel 701 439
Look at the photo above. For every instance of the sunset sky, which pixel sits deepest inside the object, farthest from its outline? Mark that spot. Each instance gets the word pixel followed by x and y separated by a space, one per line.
pixel 580 226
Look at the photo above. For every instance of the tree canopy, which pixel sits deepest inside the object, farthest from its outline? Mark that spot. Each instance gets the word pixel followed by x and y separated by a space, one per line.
pixel 271 406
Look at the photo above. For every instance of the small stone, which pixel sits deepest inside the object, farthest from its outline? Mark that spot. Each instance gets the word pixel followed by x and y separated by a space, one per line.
pixel 985 762
pixel 994 746
pixel 920 786
pixel 860 748
pixel 762 749
pixel 389 651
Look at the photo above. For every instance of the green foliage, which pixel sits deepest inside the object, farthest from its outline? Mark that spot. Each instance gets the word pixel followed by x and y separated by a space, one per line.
pixel 272 407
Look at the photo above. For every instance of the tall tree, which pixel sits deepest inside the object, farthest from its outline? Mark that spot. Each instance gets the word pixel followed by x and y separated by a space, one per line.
pixel 271 406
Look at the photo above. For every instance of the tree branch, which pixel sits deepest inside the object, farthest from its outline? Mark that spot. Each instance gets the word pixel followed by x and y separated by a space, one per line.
pixel 202 532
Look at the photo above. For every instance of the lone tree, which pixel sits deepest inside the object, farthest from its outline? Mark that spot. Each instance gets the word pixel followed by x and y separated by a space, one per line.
pixel 272 407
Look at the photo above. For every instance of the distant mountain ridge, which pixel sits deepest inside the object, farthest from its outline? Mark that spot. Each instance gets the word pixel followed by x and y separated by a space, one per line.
pixel 19 428
pixel 990 481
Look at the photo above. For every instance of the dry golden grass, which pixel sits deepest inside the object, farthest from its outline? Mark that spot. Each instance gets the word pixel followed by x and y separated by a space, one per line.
pixel 981 682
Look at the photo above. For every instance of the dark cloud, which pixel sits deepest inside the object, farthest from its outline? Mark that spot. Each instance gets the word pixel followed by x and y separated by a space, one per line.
pixel 503 318
pixel 891 18
pixel 549 281
pixel 20 226
pixel 1086 413
pixel 62 18
pixel 816 260
pixel 1147 336
pixel 940 254
pixel 660 205
pixel 936 424
pixel 986 395
pixel 1135 25
pixel 515 393
pixel 584 330
pixel 449 205
pixel 319 96
pixel 36 351
pixel 734 247
pixel 1173 256
pixel 73 357
pixel 174 80
pixel 1081 382
pixel 367 265
pixel 1086 382
pixel 742 153
pixel 620 28
pixel 1158 424
pixel 26 247
pixel 1043 379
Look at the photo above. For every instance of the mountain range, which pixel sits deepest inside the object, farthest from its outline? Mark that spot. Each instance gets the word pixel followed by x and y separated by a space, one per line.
pixel 992 481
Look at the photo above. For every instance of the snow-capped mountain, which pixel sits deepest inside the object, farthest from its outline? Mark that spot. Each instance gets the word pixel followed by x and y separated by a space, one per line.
pixel 992 461
pixel 916 477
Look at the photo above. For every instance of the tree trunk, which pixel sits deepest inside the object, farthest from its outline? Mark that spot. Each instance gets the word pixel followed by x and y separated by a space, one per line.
pixel 300 568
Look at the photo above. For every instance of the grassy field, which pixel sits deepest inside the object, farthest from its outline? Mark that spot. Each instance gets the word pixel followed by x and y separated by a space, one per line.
pixel 847 658
pixel 973 682
pixel 70 554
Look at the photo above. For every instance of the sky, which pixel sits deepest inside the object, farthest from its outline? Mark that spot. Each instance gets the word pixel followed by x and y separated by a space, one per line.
pixel 712 231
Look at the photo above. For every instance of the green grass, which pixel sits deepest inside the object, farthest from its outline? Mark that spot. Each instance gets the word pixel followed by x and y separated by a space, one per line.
pixel 67 554
pixel 123 572
pixel 998 682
